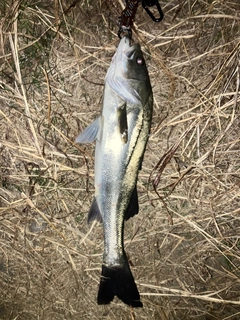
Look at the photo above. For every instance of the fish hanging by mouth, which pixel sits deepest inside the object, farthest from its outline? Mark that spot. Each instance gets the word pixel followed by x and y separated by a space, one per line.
pixel 121 134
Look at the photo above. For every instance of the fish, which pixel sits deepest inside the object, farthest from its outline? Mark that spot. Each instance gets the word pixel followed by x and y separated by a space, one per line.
pixel 121 133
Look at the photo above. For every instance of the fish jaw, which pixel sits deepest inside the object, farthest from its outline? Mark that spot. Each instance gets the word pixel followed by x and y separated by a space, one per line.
pixel 128 75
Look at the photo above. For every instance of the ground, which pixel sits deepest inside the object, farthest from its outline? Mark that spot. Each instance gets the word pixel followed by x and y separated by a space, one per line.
pixel 184 244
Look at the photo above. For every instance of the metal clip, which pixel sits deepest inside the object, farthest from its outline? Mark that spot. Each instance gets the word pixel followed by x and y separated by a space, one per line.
pixel 151 3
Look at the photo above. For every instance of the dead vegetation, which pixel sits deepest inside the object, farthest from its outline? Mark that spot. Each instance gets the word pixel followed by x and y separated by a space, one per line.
pixel 184 244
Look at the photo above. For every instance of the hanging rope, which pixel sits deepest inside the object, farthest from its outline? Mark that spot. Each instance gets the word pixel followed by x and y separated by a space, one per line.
pixel 128 15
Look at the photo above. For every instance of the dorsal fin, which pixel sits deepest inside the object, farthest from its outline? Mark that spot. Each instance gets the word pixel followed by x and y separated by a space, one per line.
pixel 133 206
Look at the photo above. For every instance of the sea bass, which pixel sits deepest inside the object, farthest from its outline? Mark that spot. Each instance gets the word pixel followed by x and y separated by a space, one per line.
pixel 121 134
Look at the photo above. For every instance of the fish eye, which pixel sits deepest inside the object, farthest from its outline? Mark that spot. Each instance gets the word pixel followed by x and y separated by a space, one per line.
pixel 140 61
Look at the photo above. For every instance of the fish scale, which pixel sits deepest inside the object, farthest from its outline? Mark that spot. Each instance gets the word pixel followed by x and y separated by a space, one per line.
pixel 121 134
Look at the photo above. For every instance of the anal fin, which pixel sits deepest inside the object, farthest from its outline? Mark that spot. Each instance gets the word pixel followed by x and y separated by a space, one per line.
pixel 94 212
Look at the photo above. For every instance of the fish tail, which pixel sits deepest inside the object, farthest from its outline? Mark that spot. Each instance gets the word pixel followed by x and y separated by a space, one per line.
pixel 118 281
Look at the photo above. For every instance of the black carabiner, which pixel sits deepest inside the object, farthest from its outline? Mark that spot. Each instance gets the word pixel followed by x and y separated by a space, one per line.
pixel 151 3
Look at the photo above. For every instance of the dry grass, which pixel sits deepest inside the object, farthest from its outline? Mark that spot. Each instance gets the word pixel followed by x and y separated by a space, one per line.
pixel 54 58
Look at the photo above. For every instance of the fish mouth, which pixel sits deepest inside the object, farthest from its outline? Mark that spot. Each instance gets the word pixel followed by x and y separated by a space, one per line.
pixel 126 48
pixel 125 44
pixel 126 41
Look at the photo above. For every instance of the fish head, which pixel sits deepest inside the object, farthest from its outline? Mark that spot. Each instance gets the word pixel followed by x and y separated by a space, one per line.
pixel 128 74
pixel 129 61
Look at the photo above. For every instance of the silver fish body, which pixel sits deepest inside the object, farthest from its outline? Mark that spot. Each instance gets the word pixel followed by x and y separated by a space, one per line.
pixel 121 134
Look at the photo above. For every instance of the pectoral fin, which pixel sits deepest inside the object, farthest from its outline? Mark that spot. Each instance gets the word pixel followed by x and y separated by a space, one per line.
pixel 90 133
pixel 122 122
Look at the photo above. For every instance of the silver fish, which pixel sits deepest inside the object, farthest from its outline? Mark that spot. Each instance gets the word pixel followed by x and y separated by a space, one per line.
pixel 121 134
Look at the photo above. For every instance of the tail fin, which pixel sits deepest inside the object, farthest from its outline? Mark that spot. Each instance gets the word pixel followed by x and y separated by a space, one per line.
pixel 118 281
